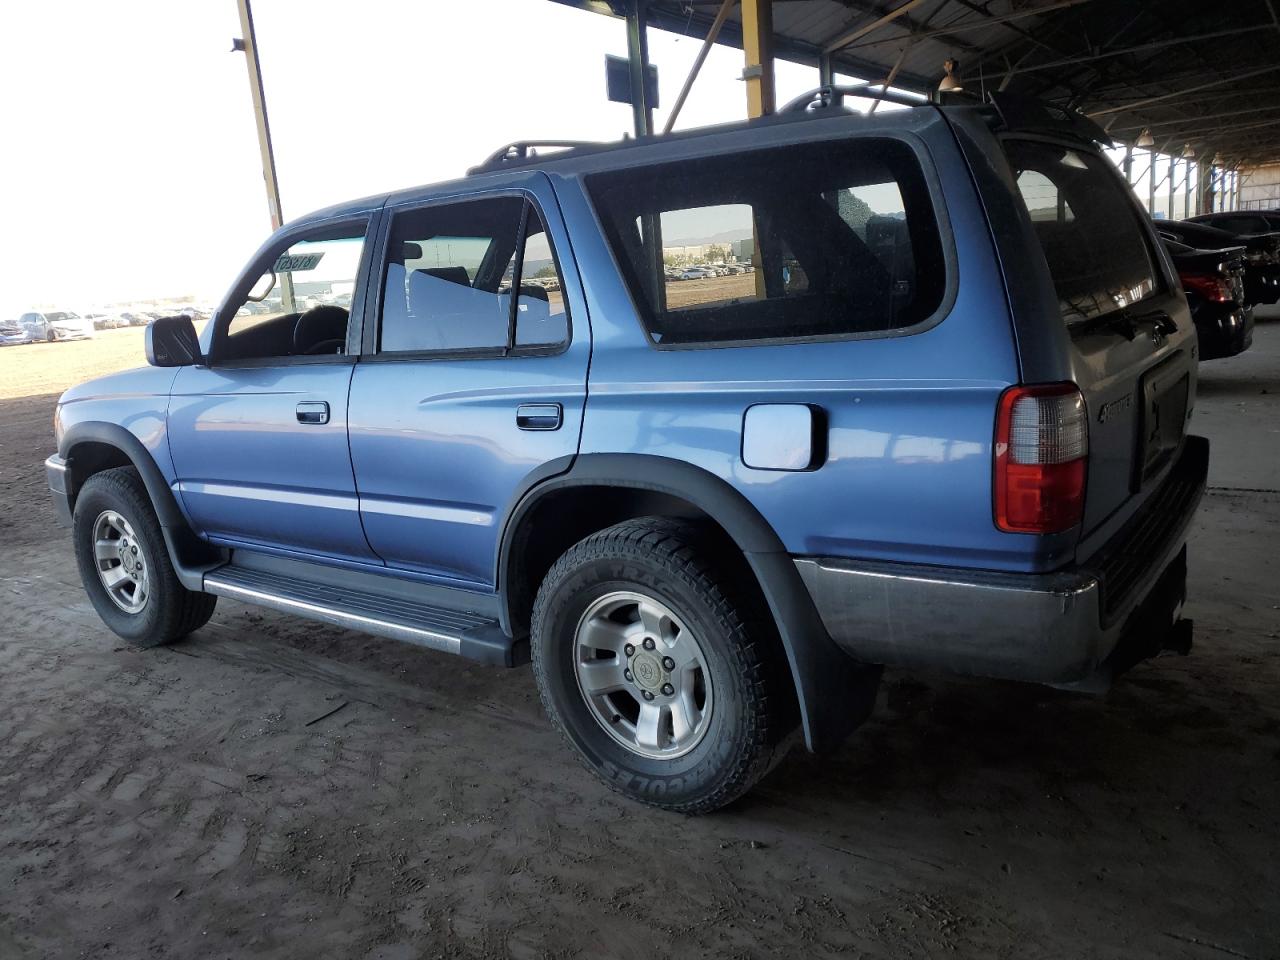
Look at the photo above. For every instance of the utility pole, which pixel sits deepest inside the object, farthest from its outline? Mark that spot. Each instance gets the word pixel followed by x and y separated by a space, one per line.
pixel 249 45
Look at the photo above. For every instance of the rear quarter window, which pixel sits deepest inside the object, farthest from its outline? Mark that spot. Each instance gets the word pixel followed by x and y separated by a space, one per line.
pixel 823 240
pixel 1093 241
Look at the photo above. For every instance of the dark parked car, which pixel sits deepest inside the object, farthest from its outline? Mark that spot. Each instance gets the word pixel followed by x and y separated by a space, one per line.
pixel 1262 254
pixel 1214 284
pixel 1241 222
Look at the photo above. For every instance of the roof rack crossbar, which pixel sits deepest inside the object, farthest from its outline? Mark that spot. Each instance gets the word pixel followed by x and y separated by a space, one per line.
pixel 525 149
pixel 833 94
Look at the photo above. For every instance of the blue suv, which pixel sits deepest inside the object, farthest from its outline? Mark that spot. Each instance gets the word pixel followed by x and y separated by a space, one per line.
pixel 938 418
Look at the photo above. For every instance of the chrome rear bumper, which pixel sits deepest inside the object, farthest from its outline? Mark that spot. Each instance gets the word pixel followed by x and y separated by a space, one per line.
pixel 1057 628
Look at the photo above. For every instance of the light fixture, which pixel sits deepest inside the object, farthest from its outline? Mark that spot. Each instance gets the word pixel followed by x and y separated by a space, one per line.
pixel 1145 140
pixel 950 83
pixel 1188 153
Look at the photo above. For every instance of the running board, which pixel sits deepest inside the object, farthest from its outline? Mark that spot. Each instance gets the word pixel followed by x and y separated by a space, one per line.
pixel 471 635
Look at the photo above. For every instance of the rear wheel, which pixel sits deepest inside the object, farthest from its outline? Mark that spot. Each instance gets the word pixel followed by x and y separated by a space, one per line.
pixel 52 335
pixel 125 565
pixel 666 679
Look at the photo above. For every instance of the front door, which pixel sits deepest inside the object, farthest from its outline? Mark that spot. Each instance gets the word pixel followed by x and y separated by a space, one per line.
pixel 259 436
pixel 473 380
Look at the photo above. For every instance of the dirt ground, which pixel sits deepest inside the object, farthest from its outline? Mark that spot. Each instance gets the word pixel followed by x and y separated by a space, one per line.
pixel 206 800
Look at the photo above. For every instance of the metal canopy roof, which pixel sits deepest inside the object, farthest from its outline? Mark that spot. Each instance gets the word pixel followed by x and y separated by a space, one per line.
pixel 1193 72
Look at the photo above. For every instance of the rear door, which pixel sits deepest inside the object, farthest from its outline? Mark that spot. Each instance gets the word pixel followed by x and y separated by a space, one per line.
pixel 1130 335
pixel 473 379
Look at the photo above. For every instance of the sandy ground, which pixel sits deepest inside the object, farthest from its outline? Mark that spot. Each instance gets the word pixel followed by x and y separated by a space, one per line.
pixel 191 802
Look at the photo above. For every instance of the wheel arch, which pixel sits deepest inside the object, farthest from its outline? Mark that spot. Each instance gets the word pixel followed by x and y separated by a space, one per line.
pixel 90 447
pixel 834 693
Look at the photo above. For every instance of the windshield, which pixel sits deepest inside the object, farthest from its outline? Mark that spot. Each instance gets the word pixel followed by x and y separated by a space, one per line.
pixel 1088 228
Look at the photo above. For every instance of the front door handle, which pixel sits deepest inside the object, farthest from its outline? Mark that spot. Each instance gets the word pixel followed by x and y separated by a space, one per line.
pixel 313 411
pixel 539 416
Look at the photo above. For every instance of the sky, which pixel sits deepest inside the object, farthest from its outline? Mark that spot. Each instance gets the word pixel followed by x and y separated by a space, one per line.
pixel 131 167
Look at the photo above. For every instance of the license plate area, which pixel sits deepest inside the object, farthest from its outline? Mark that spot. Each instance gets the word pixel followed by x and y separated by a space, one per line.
pixel 1164 416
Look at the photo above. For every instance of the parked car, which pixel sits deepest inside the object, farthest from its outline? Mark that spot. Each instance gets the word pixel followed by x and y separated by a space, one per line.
pixel 12 332
pixel 135 319
pixel 695 273
pixel 1262 254
pixel 708 525
pixel 1241 222
pixel 56 325
pixel 1214 284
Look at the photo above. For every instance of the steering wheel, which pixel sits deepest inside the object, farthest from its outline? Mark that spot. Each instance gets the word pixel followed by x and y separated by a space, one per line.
pixel 334 345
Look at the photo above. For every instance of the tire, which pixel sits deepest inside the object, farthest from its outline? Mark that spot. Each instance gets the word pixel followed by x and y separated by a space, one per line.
pixel 51 336
pixel 149 606
pixel 727 719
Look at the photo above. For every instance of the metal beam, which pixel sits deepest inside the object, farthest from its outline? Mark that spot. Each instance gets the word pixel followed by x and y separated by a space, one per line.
pixel 249 43
pixel 1216 115
pixel 847 38
pixel 982 21
pixel 721 15
pixel 638 62
pixel 1204 86
pixel 1154 45
pixel 757 48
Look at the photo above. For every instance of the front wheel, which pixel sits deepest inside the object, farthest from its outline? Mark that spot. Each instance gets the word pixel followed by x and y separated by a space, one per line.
pixel 664 676
pixel 125 565
pixel 51 336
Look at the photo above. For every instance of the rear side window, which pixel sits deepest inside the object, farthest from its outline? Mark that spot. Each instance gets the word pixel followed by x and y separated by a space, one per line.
pixel 451 270
pixel 1091 235
pixel 822 240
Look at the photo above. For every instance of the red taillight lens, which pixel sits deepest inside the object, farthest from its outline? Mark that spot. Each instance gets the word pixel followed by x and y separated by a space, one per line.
pixel 1208 286
pixel 1042 447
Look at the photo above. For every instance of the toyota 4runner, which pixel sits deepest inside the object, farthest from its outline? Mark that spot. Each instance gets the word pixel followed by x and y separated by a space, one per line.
pixel 941 423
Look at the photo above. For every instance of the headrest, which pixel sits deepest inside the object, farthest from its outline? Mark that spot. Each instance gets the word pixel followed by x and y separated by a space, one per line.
pixel 317 325
pixel 410 251
pixel 456 275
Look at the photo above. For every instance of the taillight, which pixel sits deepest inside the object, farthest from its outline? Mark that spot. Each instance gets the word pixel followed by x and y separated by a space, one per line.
pixel 1042 447
pixel 1208 286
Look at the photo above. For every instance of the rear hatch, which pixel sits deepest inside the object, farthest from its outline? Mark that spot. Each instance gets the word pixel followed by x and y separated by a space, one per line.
pixel 1128 330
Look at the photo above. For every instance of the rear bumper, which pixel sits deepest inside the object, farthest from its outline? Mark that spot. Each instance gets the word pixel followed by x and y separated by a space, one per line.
pixel 1057 628
pixel 55 470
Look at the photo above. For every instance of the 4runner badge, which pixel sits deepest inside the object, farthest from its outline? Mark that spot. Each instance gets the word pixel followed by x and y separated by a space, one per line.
pixel 1109 410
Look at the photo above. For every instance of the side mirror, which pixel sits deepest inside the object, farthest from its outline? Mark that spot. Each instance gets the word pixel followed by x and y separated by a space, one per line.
pixel 172 342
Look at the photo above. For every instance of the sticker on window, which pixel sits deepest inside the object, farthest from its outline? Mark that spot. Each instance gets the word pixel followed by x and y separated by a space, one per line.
pixel 297 262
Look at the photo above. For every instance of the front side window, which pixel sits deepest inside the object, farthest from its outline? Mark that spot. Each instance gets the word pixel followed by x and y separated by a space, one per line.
pixel 300 305
pixel 450 274
pixel 1084 217
pixel 822 240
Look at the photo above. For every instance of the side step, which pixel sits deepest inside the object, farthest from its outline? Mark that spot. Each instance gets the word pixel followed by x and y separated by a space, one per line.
pixel 472 635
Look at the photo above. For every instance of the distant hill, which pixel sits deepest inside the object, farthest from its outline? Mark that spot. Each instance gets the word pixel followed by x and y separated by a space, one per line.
pixel 724 236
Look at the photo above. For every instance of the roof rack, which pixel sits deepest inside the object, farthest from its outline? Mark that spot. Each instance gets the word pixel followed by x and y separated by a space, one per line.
pixel 832 94
pixel 521 150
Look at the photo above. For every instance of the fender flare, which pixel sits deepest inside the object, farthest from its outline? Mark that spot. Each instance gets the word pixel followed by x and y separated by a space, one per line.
pixel 834 692
pixel 190 555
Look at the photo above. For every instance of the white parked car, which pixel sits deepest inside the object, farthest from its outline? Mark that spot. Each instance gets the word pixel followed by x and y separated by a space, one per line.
pixel 56 325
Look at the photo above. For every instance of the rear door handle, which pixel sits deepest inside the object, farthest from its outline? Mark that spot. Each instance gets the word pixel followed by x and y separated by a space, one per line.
pixel 539 416
pixel 313 411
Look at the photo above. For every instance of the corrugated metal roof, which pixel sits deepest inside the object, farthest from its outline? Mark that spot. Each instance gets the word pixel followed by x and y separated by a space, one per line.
pixel 1194 72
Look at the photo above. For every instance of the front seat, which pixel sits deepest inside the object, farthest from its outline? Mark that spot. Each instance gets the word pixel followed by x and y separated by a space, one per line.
pixel 320 330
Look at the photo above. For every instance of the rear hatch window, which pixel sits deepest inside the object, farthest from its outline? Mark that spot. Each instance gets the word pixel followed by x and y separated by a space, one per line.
pixel 1093 242
pixel 809 241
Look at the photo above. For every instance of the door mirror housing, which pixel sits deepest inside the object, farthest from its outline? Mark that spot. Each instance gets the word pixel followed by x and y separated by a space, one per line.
pixel 172 342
